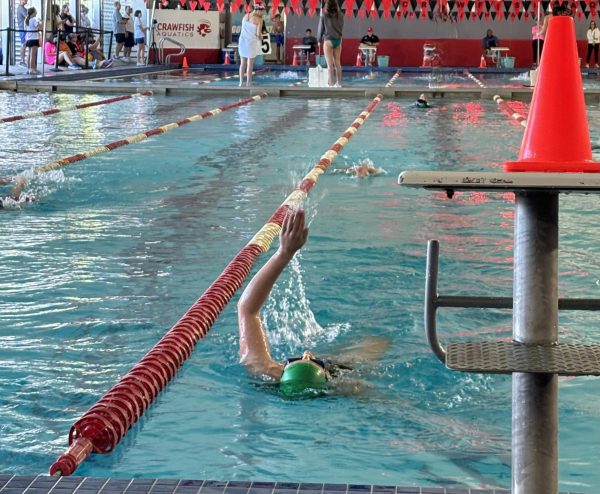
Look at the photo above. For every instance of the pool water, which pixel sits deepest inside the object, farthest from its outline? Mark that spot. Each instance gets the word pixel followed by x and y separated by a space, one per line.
pixel 120 245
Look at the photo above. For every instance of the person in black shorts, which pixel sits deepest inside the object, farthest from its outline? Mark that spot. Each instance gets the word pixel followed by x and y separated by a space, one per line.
pixel 119 29
pixel 32 39
pixel 129 37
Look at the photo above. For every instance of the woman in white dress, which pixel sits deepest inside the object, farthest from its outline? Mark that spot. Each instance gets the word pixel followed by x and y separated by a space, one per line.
pixel 249 43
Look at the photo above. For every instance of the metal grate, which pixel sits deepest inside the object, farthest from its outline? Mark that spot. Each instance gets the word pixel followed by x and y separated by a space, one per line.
pixel 505 357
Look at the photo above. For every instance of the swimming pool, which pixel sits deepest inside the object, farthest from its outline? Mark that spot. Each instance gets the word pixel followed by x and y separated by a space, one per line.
pixel 120 245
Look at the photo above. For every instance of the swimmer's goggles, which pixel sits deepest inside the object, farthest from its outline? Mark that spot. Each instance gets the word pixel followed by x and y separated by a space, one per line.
pixel 314 360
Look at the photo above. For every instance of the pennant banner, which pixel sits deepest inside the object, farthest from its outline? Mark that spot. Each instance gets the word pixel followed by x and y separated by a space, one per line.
pixel 425 10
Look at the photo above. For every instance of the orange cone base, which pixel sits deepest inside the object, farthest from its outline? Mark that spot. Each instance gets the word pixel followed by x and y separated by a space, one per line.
pixel 552 167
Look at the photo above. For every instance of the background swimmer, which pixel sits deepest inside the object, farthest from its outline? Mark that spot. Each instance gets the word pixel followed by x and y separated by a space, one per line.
pixel 422 101
pixel 362 169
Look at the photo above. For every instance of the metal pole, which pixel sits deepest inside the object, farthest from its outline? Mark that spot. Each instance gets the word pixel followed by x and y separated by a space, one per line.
pixel 535 322
pixel 7 66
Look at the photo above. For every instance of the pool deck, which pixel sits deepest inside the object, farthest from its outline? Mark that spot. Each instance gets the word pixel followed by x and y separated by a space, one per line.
pixel 99 81
pixel 44 484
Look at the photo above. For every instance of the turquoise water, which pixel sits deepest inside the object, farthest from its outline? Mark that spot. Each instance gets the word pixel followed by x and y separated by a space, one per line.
pixel 120 245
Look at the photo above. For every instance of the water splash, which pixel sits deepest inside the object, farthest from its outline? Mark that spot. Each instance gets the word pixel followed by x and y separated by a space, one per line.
pixel 290 74
pixel 523 77
pixel 289 321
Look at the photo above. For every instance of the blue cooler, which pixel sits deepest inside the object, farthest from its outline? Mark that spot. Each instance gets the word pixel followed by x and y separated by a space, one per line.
pixel 383 61
pixel 507 62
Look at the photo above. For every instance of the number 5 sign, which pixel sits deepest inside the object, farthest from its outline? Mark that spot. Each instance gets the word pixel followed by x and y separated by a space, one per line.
pixel 266 44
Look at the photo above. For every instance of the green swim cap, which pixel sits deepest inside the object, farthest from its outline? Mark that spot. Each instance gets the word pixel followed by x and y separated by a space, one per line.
pixel 301 375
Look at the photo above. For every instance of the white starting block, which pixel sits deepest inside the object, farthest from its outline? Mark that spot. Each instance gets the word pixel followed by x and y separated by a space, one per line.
pixel 317 77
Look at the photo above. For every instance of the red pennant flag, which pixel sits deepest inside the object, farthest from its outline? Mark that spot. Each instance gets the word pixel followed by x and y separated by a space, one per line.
pixel 368 6
pixel 479 6
pixel 443 8
pixel 182 2
pixel 411 15
pixel 498 7
pixel 349 8
pixel 534 8
pixel 486 16
pixel 274 7
pixel 460 7
pixel 574 7
pixel 312 7
pixel 517 6
pixel 526 15
pixel 387 7
pixel 424 13
pixel 362 13
pixel 206 6
pixel 404 5
pixel 295 6
pixel 193 4
pixel 220 5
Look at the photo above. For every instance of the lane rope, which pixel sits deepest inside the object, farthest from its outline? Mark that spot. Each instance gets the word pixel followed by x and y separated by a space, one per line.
pixel 506 108
pixel 69 160
pixel 393 79
pixel 502 105
pixel 476 80
pixel 54 111
pixel 102 427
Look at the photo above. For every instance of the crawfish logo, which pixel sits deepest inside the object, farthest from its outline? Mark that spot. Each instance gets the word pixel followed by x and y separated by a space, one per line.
pixel 204 28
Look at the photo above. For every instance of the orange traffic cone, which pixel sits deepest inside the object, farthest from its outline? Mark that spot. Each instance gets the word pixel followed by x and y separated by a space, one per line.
pixel 185 65
pixel 227 59
pixel 482 64
pixel 295 59
pixel 557 137
pixel 359 62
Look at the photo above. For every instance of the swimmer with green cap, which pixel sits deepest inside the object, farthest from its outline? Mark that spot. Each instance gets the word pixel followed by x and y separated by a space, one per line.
pixel 297 374
pixel 422 101
pixel 306 374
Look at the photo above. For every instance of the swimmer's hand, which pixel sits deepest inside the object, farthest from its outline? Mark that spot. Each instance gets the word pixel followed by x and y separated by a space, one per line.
pixel 293 233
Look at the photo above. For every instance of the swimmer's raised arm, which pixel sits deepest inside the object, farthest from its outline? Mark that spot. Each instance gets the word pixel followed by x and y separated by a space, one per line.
pixel 254 348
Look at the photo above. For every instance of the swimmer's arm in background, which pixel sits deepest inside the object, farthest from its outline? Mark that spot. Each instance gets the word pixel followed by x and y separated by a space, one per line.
pixel 367 351
pixel 254 347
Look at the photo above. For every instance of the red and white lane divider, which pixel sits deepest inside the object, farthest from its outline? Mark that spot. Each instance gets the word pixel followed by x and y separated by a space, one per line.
pixel 102 427
pixel 475 80
pixel 506 108
pixel 69 160
pixel 503 105
pixel 393 79
pixel 53 111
